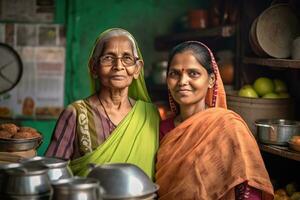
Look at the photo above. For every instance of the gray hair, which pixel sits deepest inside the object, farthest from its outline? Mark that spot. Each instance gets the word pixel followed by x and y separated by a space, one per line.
pixel 110 34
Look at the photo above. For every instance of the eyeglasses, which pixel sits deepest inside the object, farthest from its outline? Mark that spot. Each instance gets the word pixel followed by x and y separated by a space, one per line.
pixel 109 60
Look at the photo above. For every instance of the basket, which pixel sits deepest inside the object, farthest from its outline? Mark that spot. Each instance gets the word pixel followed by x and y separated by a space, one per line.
pixel 252 109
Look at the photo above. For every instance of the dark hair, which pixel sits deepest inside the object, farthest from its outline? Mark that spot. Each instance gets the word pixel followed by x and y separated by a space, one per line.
pixel 200 52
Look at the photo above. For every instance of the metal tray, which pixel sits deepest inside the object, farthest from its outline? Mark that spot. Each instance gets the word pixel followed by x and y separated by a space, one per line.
pixel 11 145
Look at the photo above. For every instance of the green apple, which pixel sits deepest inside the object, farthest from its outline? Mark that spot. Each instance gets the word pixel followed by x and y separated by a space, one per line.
pixel 291 188
pixel 247 86
pixel 263 85
pixel 295 196
pixel 247 91
pixel 280 86
pixel 271 95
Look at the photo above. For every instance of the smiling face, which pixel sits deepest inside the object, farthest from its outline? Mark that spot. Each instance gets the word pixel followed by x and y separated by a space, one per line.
pixel 117 75
pixel 188 81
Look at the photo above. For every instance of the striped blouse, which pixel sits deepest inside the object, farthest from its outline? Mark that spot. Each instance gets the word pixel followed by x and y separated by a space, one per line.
pixel 65 143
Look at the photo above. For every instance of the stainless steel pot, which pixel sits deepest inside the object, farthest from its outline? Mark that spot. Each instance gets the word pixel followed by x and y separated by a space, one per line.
pixel 57 168
pixel 159 73
pixel 26 180
pixel 3 168
pixel 277 131
pixel 76 188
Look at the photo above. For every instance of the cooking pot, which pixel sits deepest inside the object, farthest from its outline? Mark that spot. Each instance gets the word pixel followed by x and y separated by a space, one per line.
pixel 56 168
pixel 159 73
pixel 4 167
pixel 277 131
pixel 123 181
pixel 76 188
pixel 25 179
pixel 296 49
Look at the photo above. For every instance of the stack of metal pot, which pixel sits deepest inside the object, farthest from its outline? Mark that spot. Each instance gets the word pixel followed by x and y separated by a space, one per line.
pixel 64 185
pixel 43 178
pixel 31 178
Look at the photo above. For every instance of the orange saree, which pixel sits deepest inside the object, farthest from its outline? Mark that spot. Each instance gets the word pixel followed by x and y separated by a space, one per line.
pixel 210 153
pixel 207 155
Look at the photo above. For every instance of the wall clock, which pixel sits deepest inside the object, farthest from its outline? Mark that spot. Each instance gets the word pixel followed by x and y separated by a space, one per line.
pixel 11 68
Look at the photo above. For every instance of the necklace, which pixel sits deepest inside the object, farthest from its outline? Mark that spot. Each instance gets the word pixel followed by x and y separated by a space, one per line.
pixel 106 111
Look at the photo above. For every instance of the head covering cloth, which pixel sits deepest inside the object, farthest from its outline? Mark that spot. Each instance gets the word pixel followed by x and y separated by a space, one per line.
pixel 215 96
pixel 137 89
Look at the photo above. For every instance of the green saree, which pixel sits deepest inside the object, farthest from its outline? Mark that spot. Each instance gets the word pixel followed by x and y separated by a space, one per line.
pixel 134 140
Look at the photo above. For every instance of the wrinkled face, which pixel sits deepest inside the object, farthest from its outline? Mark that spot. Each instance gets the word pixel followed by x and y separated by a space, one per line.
pixel 117 75
pixel 188 81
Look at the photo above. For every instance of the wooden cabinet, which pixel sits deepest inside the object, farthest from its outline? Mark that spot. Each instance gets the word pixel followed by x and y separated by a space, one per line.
pixel 282 163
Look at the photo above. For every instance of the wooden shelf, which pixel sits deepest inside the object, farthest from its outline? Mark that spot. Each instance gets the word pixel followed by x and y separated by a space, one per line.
pixel 273 62
pixel 165 41
pixel 280 151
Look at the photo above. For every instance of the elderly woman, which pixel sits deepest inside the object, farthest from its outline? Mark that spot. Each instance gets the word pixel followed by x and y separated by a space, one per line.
pixel 206 151
pixel 118 123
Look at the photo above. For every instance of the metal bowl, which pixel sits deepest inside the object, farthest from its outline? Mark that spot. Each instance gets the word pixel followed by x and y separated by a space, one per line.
pixel 11 145
pixel 276 131
pixel 123 181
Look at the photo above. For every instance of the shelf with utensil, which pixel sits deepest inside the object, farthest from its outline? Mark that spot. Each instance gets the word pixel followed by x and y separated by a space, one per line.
pixel 280 151
pixel 273 62
pixel 164 42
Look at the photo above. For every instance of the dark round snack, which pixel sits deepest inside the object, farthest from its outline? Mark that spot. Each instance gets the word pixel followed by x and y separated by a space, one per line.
pixel 12 128
pixel 26 135
pixel 5 134
pixel 27 129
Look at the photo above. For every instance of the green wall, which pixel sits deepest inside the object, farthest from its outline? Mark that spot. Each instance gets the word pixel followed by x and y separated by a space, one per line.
pixel 145 19
pixel 85 19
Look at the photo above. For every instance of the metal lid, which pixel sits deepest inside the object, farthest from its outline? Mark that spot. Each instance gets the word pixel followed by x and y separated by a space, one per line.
pixel 47 161
pixel 26 169
pixel 75 183
pixel 4 167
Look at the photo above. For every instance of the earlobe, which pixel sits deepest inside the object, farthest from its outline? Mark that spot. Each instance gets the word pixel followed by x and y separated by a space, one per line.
pixel 212 80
